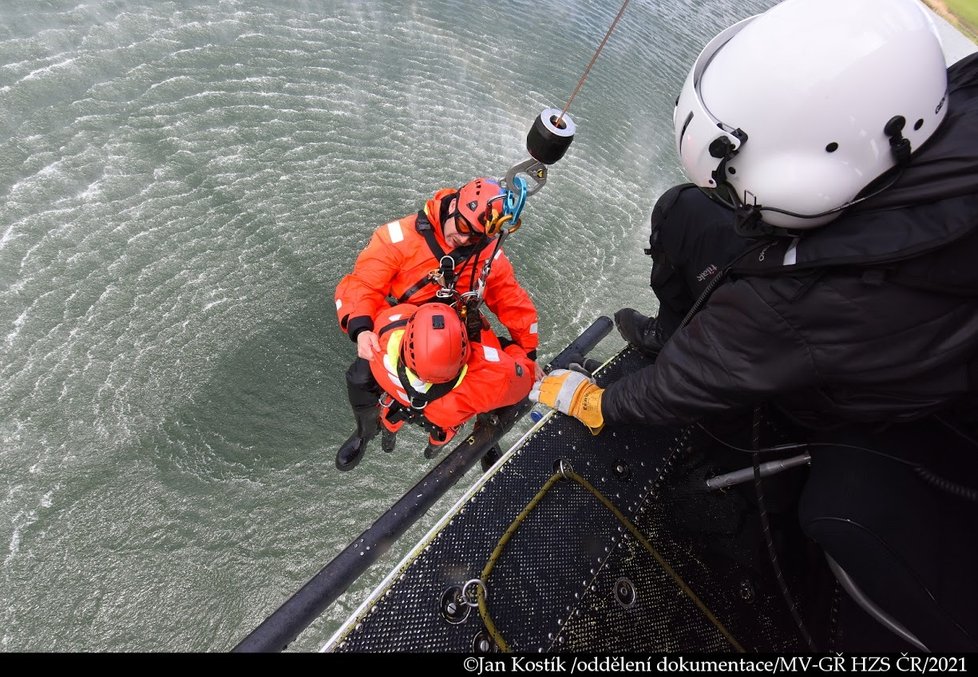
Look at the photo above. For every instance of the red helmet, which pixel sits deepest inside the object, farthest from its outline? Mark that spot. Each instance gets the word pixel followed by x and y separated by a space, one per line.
pixel 435 345
pixel 479 204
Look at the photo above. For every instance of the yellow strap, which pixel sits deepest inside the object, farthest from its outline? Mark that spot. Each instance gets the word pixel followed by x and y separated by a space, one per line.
pixel 497 552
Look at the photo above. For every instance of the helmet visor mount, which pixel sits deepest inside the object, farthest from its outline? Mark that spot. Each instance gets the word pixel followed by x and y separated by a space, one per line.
pixel 706 144
pixel 703 142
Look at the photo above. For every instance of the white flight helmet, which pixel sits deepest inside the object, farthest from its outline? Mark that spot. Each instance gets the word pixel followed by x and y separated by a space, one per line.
pixel 794 111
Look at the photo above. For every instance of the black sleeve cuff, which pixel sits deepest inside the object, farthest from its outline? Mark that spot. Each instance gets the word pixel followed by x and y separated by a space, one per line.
pixel 357 325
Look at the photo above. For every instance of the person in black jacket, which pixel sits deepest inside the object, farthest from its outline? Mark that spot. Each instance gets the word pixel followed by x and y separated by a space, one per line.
pixel 824 260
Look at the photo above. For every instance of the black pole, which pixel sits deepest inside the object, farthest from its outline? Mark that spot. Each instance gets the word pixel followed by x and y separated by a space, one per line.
pixel 305 606
pixel 582 345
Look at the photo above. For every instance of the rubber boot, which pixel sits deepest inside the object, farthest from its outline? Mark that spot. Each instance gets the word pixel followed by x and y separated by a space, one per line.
pixel 388 436
pixel 438 440
pixel 641 332
pixel 387 440
pixel 434 446
pixel 351 451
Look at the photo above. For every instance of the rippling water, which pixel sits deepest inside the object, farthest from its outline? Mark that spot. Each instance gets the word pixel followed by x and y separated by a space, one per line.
pixel 184 183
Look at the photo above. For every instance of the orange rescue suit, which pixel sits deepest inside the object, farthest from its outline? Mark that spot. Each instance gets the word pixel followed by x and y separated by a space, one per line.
pixel 398 257
pixel 493 377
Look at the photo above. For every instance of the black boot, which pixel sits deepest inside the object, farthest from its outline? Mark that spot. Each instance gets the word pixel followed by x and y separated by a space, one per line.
pixel 432 450
pixel 490 457
pixel 352 450
pixel 641 332
pixel 436 442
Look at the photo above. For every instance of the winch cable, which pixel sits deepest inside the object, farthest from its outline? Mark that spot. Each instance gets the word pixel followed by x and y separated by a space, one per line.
pixel 566 473
pixel 514 206
pixel 587 71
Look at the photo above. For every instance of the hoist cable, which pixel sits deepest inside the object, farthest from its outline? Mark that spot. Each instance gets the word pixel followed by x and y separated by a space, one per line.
pixel 580 83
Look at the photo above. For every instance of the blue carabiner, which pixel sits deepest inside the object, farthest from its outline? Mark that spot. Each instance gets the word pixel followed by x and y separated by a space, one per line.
pixel 514 205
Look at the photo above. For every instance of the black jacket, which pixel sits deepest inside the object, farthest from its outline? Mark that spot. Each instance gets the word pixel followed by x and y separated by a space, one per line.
pixel 875 320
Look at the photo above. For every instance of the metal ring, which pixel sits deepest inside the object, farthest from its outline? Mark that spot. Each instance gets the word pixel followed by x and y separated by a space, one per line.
pixel 565 468
pixel 465 594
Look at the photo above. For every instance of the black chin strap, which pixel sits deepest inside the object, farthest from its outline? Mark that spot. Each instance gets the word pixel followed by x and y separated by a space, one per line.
pixel 748 223
pixel 421 400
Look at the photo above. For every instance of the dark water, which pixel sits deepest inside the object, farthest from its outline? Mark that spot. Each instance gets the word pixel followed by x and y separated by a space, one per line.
pixel 184 183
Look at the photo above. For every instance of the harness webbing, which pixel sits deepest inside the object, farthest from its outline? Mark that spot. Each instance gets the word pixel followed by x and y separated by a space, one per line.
pixel 456 258
pixel 420 400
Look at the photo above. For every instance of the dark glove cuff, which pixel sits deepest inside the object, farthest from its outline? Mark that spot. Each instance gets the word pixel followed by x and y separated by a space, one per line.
pixel 357 325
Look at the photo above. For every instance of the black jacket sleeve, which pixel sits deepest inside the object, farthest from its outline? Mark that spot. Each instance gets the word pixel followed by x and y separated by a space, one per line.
pixel 735 352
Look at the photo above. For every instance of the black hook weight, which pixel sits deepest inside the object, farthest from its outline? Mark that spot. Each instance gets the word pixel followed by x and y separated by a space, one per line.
pixel 546 142
pixel 550 136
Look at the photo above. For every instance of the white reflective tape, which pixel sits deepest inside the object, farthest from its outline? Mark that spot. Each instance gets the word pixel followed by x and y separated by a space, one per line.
pixel 339 303
pixel 391 369
pixel 394 229
pixel 492 355
pixel 566 393
pixel 394 318
pixel 533 328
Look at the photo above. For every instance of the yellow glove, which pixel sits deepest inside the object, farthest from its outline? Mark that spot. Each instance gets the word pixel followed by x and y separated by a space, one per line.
pixel 571 393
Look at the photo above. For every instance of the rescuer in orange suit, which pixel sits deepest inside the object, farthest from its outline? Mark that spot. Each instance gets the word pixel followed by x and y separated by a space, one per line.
pixel 448 245
pixel 435 377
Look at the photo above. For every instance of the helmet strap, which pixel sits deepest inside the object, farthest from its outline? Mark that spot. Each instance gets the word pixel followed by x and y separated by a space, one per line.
pixel 748 223
pixel 420 400
pixel 443 212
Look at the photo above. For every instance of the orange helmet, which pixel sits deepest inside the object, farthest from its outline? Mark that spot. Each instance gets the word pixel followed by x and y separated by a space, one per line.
pixel 479 205
pixel 435 345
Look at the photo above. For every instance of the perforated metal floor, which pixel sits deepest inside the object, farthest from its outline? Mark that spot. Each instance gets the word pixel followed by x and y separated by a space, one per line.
pixel 572 577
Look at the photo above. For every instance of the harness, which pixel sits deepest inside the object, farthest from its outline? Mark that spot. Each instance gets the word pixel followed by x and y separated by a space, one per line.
pixel 448 264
